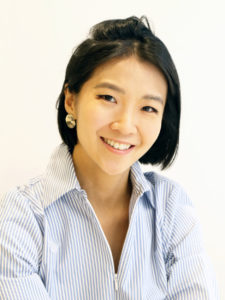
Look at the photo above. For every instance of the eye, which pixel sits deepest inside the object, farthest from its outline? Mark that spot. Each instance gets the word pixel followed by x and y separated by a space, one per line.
pixel 149 109
pixel 107 98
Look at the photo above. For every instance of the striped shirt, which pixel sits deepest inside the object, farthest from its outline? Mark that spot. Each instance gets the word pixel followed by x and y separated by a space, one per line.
pixel 52 245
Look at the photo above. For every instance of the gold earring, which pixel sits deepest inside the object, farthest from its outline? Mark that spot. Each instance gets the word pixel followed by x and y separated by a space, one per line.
pixel 70 121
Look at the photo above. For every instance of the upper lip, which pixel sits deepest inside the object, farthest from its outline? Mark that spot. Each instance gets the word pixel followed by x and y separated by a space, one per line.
pixel 117 141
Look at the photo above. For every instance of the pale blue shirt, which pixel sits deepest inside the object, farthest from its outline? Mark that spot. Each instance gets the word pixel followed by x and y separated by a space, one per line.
pixel 52 245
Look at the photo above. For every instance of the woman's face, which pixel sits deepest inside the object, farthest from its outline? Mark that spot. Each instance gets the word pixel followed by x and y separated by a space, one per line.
pixel 119 113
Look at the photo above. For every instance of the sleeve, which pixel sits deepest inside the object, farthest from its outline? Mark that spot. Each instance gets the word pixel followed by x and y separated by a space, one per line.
pixel 190 274
pixel 20 250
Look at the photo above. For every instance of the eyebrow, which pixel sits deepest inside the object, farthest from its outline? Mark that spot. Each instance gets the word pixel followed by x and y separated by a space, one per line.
pixel 118 89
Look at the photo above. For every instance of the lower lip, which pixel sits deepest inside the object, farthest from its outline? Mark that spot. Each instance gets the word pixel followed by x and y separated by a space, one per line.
pixel 117 151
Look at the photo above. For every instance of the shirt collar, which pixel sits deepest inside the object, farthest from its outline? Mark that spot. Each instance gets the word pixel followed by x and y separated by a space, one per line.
pixel 60 177
pixel 141 182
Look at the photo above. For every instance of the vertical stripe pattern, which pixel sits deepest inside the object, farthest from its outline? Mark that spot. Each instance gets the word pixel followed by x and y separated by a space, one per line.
pixel 52 245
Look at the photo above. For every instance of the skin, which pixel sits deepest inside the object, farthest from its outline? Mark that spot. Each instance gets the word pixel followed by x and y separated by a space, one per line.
pixel 127 116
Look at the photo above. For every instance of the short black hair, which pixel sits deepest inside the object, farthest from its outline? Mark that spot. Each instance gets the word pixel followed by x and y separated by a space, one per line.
pixel 120 38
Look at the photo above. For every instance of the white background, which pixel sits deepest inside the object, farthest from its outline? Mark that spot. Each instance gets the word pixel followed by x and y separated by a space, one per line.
pixel 36 42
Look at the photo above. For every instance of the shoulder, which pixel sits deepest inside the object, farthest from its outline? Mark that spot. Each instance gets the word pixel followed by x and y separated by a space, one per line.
pixel 159 180
pixel 175 212
pixel 167 190
pixel 23 201
pixel 21 229
pixel 170 199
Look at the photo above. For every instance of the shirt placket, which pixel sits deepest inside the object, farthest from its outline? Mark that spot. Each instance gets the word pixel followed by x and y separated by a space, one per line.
pixel 118 277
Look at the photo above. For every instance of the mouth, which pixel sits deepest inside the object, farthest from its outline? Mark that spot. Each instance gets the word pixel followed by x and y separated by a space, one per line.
pixel 116 145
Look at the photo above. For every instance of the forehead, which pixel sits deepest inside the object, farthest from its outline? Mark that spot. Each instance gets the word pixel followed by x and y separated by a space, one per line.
pixel 131 74
pixel 127 65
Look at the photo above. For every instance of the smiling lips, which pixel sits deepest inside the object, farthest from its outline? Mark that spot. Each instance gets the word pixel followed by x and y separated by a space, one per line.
pixel 117 145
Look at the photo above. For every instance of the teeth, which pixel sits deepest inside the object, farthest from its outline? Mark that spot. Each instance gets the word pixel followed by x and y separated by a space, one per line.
pixel 117 145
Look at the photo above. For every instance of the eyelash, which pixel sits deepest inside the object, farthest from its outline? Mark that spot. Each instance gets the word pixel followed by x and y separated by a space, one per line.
pixel 104 97
pixel 153 109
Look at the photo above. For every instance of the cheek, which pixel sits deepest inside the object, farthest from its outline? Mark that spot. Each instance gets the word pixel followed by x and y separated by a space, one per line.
pixel 91 120
pixel 158 129
pixel 97 122
pixel 151 132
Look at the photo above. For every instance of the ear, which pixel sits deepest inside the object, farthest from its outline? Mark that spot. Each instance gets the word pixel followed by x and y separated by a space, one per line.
pixel 69 103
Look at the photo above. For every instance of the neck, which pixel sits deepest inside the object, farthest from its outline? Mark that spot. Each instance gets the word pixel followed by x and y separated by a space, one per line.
pixel 103 190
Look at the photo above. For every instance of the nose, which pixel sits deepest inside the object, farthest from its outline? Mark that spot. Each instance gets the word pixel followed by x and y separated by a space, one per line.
pixel 125 124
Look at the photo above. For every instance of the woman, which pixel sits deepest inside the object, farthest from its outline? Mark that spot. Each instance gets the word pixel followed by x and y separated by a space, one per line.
pixel 94 226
